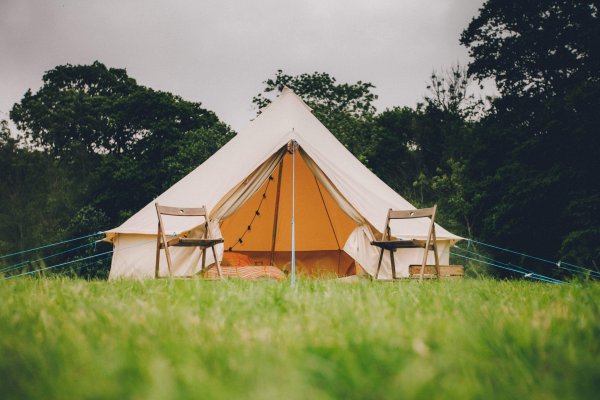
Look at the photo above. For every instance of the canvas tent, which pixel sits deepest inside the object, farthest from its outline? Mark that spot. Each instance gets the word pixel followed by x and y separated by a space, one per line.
pixel 340 205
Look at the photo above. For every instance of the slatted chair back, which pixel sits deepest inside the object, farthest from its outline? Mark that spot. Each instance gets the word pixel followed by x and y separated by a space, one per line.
pixel 410 214
pixel 181 211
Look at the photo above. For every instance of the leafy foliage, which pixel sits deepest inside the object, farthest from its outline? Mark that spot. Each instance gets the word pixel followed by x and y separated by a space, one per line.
pixel 422 152
pixel 451 91
pixel 96 147
pixel 535 49
pixel 36 194
pixel 102 110
pixel 128 142
pixel 537 151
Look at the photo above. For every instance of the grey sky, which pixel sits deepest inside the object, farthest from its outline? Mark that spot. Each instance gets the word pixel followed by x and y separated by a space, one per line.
pixel 219 52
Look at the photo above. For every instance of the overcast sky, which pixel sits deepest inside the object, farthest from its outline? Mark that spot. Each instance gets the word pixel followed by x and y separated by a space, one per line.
pixel 219 52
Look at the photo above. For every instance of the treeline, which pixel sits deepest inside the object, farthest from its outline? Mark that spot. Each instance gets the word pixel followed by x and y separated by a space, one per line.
pixel 519 170
pixel 94 148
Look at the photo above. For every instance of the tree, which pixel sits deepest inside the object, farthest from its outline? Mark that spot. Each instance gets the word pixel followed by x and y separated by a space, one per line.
pixel 397 158
pixel 538 147
pixel 102 110
pixel 451 91
pixel 422 152
pixel 532 48
pixel 36 196
pixel 347 110
pixel 96 147
pixel 117 135
pixel 122 185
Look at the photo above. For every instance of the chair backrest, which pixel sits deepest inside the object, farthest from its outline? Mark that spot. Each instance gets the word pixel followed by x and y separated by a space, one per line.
pixel 181 211
pixel 409 214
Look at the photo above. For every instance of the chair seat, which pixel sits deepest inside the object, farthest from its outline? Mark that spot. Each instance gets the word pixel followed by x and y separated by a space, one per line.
pixel 193 242
pixel 401 244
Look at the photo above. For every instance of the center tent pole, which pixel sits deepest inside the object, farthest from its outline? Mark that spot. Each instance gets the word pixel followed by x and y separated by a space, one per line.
pixel 294 145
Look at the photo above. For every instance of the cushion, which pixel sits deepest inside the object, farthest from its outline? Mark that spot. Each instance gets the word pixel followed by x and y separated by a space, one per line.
pixel 251 272
pixel 233 259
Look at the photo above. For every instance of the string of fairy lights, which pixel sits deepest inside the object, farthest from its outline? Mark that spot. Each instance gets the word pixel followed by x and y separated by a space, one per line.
pixel 254 216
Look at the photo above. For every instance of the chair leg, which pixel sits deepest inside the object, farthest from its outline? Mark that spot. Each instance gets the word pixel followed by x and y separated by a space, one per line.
pixel 393 264
pixel 217 261
pixel 169 263
pixel 203 260
pixel 379 263
pixel 437 260
pixel 425 254
pixel 156 266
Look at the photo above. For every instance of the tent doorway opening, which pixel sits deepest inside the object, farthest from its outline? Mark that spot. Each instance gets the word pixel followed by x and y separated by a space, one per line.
pixel 261 228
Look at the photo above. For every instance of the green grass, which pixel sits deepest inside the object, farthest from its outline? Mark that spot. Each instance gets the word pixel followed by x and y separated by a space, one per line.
pixel 73 339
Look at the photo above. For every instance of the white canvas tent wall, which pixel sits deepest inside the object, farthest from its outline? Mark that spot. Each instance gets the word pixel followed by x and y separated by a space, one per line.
pixel 232 181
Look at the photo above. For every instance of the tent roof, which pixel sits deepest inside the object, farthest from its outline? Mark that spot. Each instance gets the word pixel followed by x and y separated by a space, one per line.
pixel 286 118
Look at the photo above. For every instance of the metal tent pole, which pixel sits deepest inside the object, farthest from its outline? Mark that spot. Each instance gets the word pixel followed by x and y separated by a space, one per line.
pixel 293 281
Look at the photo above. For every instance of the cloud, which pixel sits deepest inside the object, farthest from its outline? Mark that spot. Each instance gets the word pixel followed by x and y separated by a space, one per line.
pixel 219 52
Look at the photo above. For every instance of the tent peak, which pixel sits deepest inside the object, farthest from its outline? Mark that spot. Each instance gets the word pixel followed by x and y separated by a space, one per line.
pixel 287 92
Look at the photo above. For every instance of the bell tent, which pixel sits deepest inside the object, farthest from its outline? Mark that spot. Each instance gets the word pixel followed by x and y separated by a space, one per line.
pixel 339 205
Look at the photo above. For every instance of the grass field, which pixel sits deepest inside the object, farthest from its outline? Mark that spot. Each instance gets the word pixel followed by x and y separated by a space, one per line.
pixel 73 339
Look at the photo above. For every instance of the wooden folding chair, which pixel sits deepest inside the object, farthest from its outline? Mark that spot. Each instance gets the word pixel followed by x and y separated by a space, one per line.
pixel 204 243
pixel 391 244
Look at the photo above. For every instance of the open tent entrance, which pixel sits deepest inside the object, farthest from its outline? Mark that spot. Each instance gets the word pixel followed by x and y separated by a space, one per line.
pixel 261 228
